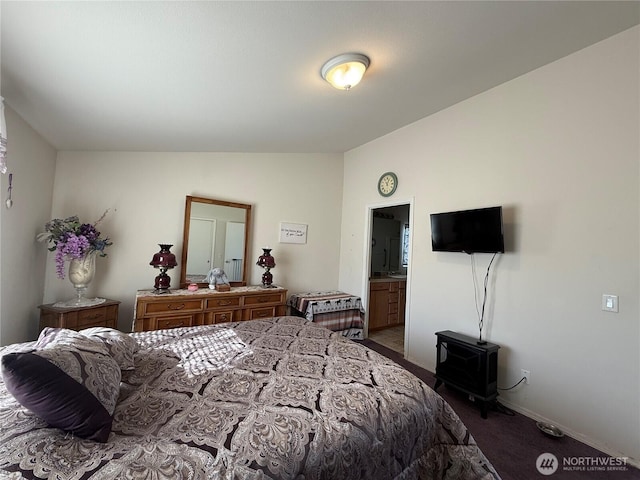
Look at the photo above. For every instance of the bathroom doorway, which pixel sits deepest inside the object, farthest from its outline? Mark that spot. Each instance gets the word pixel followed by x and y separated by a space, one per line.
pixel 388 267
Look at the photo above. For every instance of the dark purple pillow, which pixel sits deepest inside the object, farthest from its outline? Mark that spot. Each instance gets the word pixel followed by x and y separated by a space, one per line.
pixel 68 380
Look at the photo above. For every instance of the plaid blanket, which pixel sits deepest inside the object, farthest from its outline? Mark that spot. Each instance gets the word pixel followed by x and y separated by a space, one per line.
pixel 335 310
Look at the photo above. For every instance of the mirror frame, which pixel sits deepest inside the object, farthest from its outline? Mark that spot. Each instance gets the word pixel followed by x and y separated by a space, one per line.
pixel 185 240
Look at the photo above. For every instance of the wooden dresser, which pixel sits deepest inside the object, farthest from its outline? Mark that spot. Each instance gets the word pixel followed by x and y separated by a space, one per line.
pixel 104 314
pixel 182 308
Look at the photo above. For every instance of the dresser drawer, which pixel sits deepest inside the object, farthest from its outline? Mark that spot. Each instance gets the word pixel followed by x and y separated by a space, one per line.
pixel 174 322
pixel 223 317
pixel 376 286
pixel 173 307
pixel 96 317
pixel 264 312
pixel 224 302
pixel 263 299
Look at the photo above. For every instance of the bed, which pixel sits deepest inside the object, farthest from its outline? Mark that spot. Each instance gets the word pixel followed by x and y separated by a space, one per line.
pixel 277 398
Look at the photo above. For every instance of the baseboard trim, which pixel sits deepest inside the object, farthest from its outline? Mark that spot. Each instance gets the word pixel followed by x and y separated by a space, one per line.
pixel 571 433
pixel 634 462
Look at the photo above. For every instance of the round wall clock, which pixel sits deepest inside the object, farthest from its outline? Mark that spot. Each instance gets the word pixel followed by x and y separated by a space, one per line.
pixel 387 184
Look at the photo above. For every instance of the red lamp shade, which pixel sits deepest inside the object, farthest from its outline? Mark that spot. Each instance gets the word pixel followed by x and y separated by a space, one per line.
pixel 163 260
pixel 266 260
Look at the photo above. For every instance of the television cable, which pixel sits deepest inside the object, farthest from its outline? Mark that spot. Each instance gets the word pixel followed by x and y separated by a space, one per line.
pixel 484 297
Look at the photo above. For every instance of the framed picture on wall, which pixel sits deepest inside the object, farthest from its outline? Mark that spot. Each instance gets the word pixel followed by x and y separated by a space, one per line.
pixel 293 232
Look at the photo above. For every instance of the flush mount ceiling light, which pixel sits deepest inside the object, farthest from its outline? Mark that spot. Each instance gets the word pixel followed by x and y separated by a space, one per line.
pixel 345 71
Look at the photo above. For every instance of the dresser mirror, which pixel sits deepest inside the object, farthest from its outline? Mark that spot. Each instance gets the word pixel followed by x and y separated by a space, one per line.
pixel 216 235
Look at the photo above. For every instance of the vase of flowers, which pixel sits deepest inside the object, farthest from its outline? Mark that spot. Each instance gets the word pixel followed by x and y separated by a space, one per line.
pixel 81 272
pixel 80 243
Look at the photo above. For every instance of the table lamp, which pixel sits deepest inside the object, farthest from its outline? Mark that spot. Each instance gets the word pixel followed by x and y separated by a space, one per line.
pixel 163 260
pixel 267 262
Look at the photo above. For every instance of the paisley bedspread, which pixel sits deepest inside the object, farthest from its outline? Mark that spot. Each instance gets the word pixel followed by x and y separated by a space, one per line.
pixel 279 398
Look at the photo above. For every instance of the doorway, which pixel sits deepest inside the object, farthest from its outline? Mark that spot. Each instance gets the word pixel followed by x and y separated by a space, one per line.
pixel 388 265
pixel 202 244
pixel 234 251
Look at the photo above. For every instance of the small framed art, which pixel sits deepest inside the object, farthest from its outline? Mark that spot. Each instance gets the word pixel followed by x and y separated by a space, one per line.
pixel 293 232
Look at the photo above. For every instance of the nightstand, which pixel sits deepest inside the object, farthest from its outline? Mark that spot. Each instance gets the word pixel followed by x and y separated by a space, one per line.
pixel 77 318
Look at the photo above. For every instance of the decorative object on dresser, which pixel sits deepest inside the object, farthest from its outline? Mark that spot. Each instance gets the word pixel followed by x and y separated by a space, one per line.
pixel 218 280
pixel 216 235
pixel 79 243
pixel 182 308
pixel 163 260
pixel 267 262
pixel 104 314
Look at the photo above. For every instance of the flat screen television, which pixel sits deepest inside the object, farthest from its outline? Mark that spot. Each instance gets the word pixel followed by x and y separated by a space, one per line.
pixel 468 231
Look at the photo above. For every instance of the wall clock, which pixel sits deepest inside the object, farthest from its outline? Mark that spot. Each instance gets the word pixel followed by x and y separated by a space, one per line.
pixel 387 184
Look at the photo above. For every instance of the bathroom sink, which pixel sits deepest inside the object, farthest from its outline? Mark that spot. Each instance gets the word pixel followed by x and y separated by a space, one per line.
pixel 397 275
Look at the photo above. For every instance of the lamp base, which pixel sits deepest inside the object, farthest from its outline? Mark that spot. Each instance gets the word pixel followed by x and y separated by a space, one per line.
pixel 163 282
pixel 267 278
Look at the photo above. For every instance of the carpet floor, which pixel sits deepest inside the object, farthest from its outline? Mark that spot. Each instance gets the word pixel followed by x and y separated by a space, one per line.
pixel 512 442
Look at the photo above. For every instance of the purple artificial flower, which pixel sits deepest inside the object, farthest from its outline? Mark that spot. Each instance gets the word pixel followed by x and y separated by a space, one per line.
pixel 72 239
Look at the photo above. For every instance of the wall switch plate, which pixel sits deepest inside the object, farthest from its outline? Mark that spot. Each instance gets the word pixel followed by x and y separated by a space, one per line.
pixel 610 303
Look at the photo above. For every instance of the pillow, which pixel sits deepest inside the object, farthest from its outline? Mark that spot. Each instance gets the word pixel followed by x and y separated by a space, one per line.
pixel 68 380
pixel 121 346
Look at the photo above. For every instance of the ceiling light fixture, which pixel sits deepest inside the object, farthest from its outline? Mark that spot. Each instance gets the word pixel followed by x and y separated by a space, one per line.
pixel 345 71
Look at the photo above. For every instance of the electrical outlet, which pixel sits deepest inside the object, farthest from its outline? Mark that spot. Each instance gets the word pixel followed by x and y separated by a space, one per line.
pixel 526 374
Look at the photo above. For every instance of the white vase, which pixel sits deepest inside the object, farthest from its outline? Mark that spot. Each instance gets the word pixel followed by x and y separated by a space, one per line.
pixel 81 272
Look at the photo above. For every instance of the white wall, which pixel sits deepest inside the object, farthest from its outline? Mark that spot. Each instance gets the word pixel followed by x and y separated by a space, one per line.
pixel 145 193
pixel 558 148
pixel 22 260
